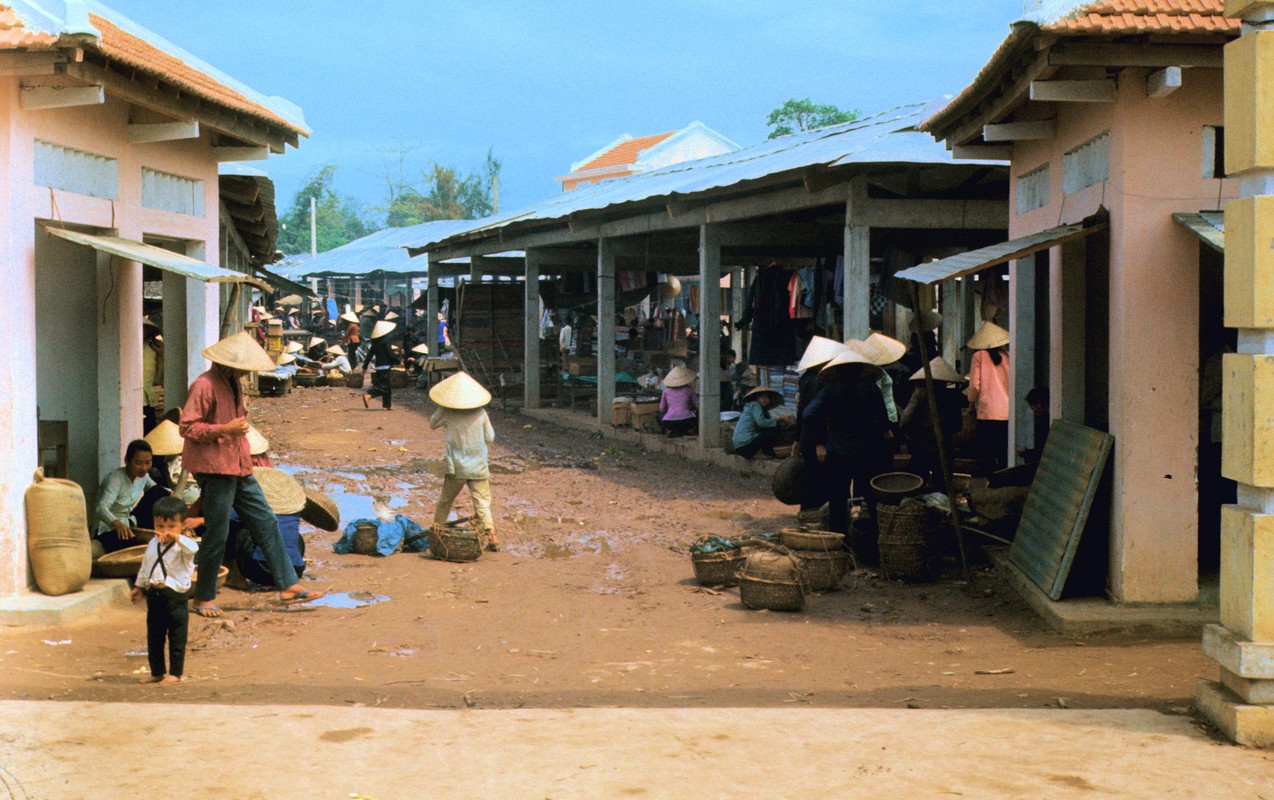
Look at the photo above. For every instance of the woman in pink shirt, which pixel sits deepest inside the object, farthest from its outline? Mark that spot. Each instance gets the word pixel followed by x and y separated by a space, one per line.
pixel 989 394
pixel 679 403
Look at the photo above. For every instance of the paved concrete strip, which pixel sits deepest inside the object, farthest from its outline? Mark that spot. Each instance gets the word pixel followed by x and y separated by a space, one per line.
pixel 97 750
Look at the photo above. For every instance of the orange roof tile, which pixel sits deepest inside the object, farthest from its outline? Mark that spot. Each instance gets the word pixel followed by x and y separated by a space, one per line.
pixel 1147 16
pixel 13 34
pixel 128 49
pixel 625 152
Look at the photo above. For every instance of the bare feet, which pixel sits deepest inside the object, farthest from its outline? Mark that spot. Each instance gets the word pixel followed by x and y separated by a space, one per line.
pixel 151 679
pixel 169 680
pixel 298 593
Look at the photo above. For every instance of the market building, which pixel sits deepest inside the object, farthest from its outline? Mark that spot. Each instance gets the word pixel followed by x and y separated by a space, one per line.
pixel 111 140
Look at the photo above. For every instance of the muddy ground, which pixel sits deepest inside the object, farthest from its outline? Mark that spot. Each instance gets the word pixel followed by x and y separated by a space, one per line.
pixel 591 603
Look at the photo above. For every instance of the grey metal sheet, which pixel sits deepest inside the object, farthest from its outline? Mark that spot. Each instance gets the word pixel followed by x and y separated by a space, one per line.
pixel 380 252
pixel 157 257
pixel 280 282
pixel 1209 226
pixel 892 137
pixel 1058 504
pixel 977 260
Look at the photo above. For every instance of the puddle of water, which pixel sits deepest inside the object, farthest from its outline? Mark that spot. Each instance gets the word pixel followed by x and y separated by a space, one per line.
pixel 354 476
pixel 348 600
pixel 593 542
pixel 352 506
pixel 397 501
pixel 138 654
pixel 292 469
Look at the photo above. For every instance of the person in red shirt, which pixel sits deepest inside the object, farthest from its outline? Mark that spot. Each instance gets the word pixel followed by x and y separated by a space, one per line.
pixel 214 425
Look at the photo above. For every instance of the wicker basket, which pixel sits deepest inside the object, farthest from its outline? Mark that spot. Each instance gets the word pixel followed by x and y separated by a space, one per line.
pixel 892 488
pixel 814 518
pixel 307 379
pixel 907 541
pixel 398 378
pixel 823 572
pixel 354 380
pixel 721 568
pixel 320 511
pixel 366 537
pixel 818 541
pixel 771 580
pixel 121 563
pixel 222 573
pixel 455 544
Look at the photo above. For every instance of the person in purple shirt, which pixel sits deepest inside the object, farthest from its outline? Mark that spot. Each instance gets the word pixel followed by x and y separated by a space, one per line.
pixel 679 403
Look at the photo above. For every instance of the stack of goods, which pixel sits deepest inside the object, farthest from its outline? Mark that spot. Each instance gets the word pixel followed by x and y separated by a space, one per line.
pixel 771 579
pixel 717 561
pixel 824 562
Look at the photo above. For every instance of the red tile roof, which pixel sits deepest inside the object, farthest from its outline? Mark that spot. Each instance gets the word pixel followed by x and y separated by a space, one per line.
pixel 13 34
pixel 1147 16
pixel 126 48
pixel 625 152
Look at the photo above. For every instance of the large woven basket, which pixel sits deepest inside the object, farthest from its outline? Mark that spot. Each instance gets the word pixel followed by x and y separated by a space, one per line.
pixel 455 544
pixel 771 580
pixel 892 488
pixel 907 541
pixel 121 563
pixel 307 379
pixel 223 572
pixel 366 537
pixel 321 511
pixel 818 541
pixel 721 568
pixel 788 483
pixel 354 380
pixel 823 572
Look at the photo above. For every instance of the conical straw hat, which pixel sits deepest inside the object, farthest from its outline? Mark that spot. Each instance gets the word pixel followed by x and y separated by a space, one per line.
pixel 294 347
pixel 350 316
pixel 315 341
pixel 679 376
pixel 257 443
pixel 320 511
pixel 775 395
pixel 460 392
pixel 285 359
pixel 382 328
pixel 848 354
pixel 880 350
pixel 165 439
pixel 240 351
pixel 942 372
pixel 335 350
pixel 989 337
pixel 391 316
pixel 282 492
pixel 820 350
pixel 421 349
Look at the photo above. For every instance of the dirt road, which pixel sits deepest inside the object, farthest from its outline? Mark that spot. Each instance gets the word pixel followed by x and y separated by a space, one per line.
pixel 590 604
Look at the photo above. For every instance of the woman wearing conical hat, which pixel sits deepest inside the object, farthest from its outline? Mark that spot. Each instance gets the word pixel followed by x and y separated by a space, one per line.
pixel 679 403
pixel 214 425
pixel 460 400
pixel 382 353
pixel 988 394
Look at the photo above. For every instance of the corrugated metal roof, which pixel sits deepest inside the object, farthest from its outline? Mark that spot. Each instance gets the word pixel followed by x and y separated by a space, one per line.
pixel 891 137
pixel 157 257
pixel 1209 226
pixel 383 251
pixel 977 260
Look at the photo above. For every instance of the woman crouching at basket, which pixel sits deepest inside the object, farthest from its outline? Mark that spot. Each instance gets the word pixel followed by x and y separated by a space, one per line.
pixel 460 399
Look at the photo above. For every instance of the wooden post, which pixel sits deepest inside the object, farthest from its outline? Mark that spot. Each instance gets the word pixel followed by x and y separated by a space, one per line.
pixel 431 312
pixel 605 329
pixel 531 332
pixel 856 292
pixel 709 337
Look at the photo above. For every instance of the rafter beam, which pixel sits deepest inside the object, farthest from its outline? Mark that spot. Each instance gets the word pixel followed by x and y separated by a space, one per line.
pixel 1163 82
pixel 1102 91
pixel 981 153
pixel 1013 91
pixel 223 154
pixel 1136 55
pixel 1018 131
pixel 934 214
pixel 163 131
pixel 34 98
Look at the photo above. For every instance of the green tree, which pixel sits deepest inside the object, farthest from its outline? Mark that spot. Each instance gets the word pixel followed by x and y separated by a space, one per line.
pixel 804 115
pixel 445 195
pixel 339 219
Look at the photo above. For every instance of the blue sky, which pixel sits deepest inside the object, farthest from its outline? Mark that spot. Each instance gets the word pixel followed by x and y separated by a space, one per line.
pixel 547 83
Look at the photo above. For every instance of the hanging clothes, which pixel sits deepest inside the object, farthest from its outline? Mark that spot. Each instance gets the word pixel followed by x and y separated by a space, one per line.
pixel 766 316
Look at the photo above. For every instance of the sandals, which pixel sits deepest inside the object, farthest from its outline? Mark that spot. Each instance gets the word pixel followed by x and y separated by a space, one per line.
pixel 305 596
pixel 210 612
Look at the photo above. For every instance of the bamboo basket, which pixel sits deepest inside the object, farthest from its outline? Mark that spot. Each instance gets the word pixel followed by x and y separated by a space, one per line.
pixel 817 541
pixel 721 568
pixel 222 573
pixel 455 544
pixel 823 572
pixel 307 379
pixel 354 380
pixel 907 542
pixel 771 580
pixel 121 563
pixel 366 537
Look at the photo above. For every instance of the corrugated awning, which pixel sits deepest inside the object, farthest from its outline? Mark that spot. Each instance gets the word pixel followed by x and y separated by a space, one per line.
pixel 978 260
pixel 1209 226
pixel 280 282
pixel 157 257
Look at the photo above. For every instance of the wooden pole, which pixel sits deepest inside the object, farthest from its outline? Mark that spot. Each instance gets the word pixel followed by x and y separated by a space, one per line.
pixel 937 430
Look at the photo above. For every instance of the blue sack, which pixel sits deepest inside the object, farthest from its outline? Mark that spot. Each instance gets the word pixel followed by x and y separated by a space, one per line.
pixel 389 535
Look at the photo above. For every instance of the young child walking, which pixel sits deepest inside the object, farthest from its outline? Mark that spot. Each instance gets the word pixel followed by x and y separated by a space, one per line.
pixel 164 579
pixel 460 399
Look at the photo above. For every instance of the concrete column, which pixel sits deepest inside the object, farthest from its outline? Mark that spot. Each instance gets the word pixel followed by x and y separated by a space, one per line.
pixel 119 359
pixel 18 430
pixel 1022 280
pixel 950 343
pixel 709 337
pixel 531 332
pixel 175 348
pixel 476 266
pixel 605 329
pixel 1067 331
pixel 1241 703
pixel 856 296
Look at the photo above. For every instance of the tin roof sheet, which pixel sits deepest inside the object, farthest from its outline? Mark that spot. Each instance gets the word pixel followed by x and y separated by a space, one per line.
pixel 891 137
pixel 383 251
pixel 157 257
pixel 1209 226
